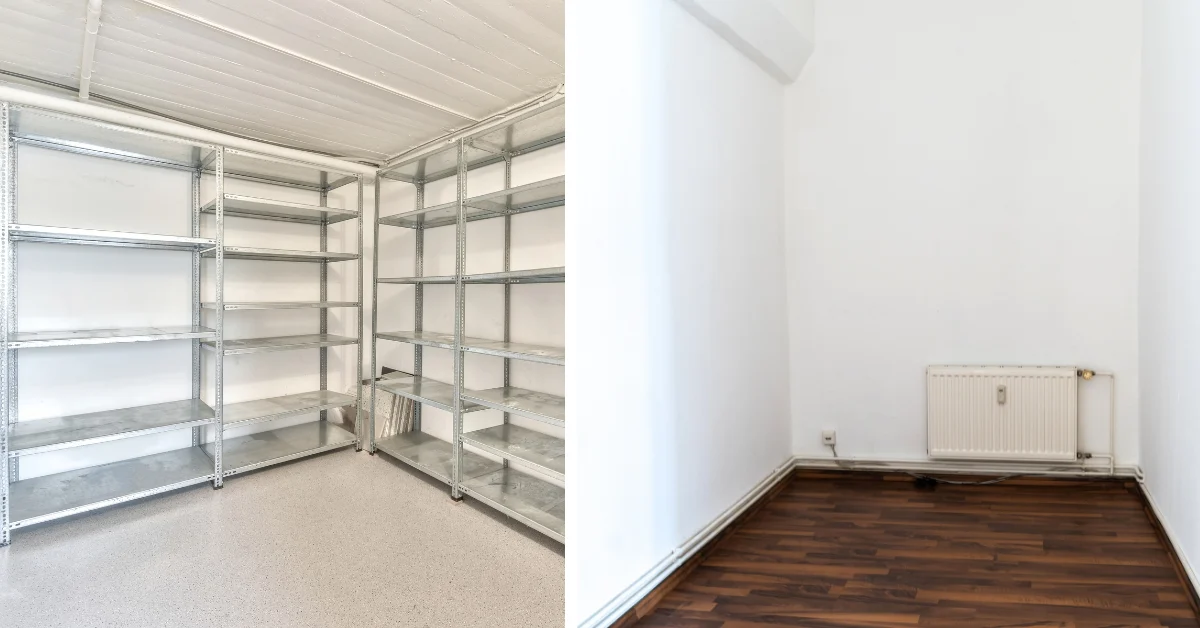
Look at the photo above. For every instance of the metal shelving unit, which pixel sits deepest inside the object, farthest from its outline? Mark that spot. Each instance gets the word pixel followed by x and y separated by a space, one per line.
pixel 476 463
pixel 26 501
pixel 275 446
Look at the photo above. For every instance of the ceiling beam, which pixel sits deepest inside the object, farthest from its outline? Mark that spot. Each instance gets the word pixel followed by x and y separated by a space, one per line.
pixel 296 55
pixel 90 32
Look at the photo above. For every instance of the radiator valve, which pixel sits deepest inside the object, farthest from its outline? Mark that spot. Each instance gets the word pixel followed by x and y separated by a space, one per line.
pixel 1087 373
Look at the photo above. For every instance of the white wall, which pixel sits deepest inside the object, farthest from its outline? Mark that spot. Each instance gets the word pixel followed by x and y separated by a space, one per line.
pixel 1170 254
pixel 89 287
pixel 677 382
pixel 962 189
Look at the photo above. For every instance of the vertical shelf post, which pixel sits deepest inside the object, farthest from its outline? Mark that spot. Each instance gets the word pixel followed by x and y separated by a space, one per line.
pixel 460 315
pixel 14 357
pixel 323 352
pixel 507 267
pixel 419 301
pixel 219 354
pixel 197 319
pixel 7 202
pixel 374 315
pixel 358 364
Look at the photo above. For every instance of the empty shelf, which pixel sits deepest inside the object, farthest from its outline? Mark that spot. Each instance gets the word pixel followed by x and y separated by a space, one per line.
pixel 423 338
pixel 96 237
pixel 282 343
pixel 531 130
pixel 522 132
pixel 30 339
pixel 63 494
pixel 523 198
pixel 544 452
pixel 424 390
pixel 533 275
pixel 282 255
pixel 276 171
pixel 268 209
pixel 541 406
pixel 415 280
pixel 433 456
pixel 517 350
pixel 436 216
pixel 536 503
pixel 42 435
pixel 264 449
pixel 287 405
pixel 279 305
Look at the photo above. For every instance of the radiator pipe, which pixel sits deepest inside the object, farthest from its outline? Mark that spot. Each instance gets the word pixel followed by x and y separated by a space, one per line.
pixel 1088 375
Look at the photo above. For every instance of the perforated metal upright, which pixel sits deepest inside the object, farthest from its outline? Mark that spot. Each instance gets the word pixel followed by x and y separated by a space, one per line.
pixel 7 202
pixel 460 317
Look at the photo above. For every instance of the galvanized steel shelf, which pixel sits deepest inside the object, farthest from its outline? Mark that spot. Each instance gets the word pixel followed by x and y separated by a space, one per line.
pixel 434 456
pixel 442 215
pixel 464 463
pixel 540 127
pixel 513 442
pixel 247 453
pixel 557 274
pixel 541 406
pixel 97 237
pixel 423 338
pixel 268 209
pixel 249 166
pixel 522 496
pixel 427 391
pixel 279 305
pixel 43 435
pixel 283 343
pixel 283 255
pixel 418 280
pixel 63 494
pixel 525 198
pixel 272 408
pixel 517 350
pixel 35 339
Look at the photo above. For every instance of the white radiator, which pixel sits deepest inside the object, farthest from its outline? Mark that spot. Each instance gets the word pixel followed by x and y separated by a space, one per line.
pixel 1002 413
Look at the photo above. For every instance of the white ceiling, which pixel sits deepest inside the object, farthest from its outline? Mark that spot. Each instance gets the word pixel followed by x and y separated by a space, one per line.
pixel 366 79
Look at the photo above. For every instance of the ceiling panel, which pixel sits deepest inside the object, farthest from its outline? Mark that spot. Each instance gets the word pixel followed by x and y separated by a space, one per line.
pixel 366 79
pixel 42 39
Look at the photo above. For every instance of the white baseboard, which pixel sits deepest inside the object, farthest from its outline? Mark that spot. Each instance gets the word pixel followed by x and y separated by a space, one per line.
pixel 919 465
pixel 643 586
pixel 1176 548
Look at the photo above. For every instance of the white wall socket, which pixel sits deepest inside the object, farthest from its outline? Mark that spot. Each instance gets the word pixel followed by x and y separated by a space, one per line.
pixel 829 436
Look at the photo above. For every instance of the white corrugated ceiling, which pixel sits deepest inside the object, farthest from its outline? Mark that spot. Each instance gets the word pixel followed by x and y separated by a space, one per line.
pixel 365 79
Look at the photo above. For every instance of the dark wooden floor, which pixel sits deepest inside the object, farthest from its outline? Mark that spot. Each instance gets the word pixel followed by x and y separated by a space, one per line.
pixel 841 549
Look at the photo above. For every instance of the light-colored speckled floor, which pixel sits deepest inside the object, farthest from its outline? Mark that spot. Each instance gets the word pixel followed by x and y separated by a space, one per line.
pixel 343 539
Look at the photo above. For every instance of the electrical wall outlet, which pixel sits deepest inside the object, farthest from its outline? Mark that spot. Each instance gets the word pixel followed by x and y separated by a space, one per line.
pixel 829 436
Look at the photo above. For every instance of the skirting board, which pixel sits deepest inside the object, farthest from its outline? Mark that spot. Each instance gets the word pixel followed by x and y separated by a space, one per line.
pixel 1187 573
pixel 916 465
pixel 616 611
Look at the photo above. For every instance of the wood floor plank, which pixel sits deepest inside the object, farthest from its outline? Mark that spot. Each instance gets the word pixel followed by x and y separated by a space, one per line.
pixel 856 549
